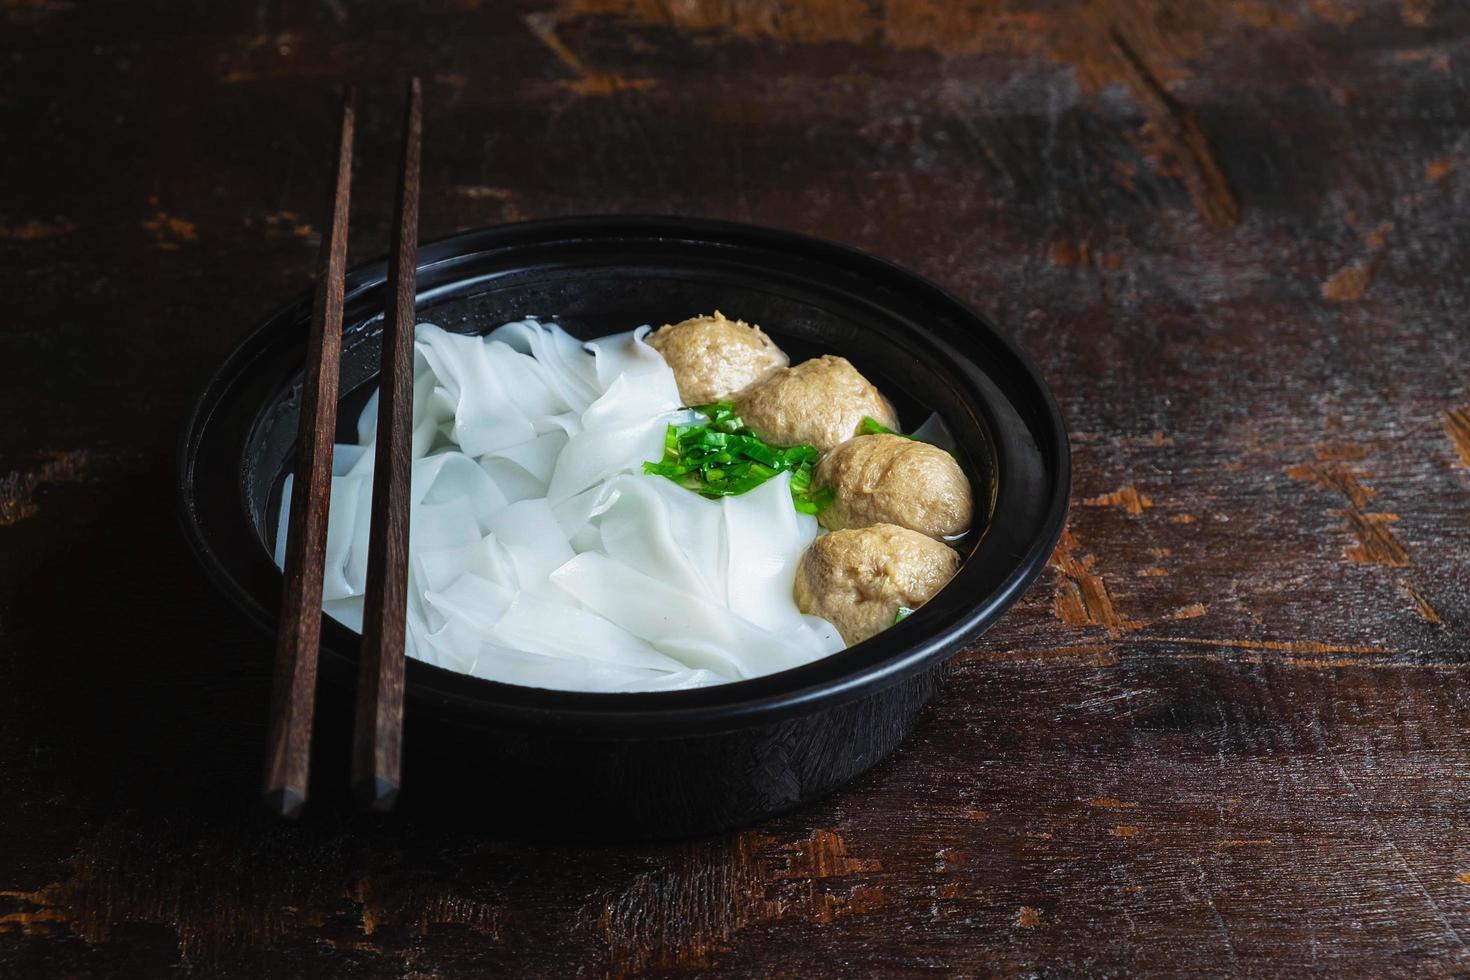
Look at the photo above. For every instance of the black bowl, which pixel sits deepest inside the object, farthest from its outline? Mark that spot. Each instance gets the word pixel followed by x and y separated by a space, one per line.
pixel 666 763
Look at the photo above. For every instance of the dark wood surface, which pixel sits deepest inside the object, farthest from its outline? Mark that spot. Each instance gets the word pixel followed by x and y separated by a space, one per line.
pixel 1225 733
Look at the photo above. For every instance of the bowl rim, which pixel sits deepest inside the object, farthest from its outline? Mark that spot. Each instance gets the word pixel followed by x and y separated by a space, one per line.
pixel 724 706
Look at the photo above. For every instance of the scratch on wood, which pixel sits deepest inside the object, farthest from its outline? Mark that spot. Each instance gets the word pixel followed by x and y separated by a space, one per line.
pixel 1421 606
pixel 1125 830
pixel 1376 544
pixel 1127 498
pixel 290 223
pixel 1463 877
pixel 1457 426
pixel 1183 137
pixel 1151 573
pixel 587 82
pixel 952 889
pixel 1377 236
pixel 1416 13
pixel 1242 842
pixel 1334 13
pixel 1028 917
pixel 31 923
pixel 30 231
pixel 1068 253
pixel 1155 439
pixel 1284 646
pixel 48 910
pixel 1308 654
pixel 169 231
pixel 823 855
pixel 17 489
pixel 862 898
pixel 950 858
pixel 1082 598
pixel 1111 803
pixel 1352 280
pixel 1437 59
pixel 1192 611
pixel 1391 662
pixel 1348 283
pixel 1330 476
pixel 1346 452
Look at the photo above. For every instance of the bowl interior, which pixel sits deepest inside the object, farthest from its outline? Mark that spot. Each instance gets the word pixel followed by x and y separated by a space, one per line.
pixel 925 351
pixel 608 296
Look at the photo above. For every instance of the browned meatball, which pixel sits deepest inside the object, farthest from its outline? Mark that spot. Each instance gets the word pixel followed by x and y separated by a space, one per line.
pixel 887 479
pixel 712 358
pixel 819 402
pixel 859 578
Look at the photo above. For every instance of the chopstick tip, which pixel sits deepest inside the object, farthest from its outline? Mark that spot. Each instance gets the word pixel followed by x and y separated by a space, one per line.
pixel 376 794
pixel 285 803
pixel 349 109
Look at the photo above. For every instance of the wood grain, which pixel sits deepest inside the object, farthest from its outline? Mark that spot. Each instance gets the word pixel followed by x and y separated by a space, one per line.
pixel 377 743
pixel 1212 740
pixel 293 693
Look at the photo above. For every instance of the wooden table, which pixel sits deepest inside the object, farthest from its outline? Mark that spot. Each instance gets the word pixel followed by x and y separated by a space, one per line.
pixel 1225 733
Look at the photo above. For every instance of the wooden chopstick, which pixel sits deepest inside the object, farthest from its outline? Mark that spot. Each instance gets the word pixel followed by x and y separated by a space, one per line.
pixel 293 692
pixel 377 738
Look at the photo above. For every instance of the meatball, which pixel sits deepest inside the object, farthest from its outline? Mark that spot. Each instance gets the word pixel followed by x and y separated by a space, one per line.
pixel 887 479
pixel 713 358
pixel 820 402
pixel 858 579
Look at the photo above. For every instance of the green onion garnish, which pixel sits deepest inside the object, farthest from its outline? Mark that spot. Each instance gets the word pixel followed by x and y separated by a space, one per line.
pixel 870 426
pixel 903 613
pixel 724 458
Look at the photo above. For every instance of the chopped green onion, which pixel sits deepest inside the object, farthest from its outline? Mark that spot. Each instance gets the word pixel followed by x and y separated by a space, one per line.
pixel 724 458
pixel 813 503
pixel 904 612
pixel 870 426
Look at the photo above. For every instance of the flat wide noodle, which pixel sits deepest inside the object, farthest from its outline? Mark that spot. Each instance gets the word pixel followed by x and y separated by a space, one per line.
pixel 539 552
